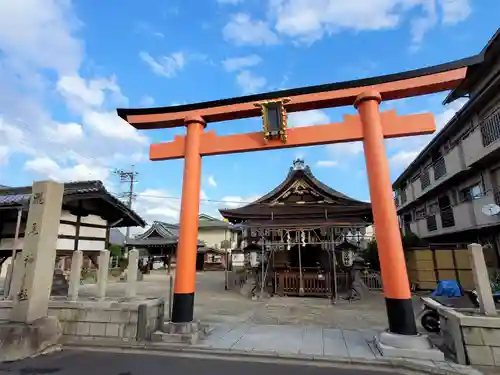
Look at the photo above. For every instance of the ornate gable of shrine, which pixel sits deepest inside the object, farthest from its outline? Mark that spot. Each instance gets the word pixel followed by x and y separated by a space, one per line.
pixel 301 187
pixel 301 195
pixel 301 191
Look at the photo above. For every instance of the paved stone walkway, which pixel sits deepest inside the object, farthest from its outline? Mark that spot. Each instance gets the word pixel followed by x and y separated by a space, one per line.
pixel 308 342
pixel 213 304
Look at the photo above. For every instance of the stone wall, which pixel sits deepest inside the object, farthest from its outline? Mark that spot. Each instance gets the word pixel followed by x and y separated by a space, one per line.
pixel 482 342
pixel 472 339
pixel 98 320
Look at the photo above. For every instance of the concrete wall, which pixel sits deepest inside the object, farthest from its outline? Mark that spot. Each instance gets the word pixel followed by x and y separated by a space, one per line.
pixel 214 236
pixel 94 320
pixel 473 339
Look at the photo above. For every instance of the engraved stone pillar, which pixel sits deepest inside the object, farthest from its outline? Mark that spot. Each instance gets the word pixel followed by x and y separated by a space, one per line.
pixel 102 274
pixel 75 275
pixel 482 281
pixel 132 269
pixel 39 252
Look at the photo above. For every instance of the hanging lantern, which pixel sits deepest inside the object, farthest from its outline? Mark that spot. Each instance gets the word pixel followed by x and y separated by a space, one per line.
pixel 347 258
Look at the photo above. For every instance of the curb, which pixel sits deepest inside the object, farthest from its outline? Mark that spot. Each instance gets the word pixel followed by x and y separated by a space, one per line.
pixel 381 363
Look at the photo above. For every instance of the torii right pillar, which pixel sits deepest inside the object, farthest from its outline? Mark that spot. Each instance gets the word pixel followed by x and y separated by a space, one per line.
pixel 402 339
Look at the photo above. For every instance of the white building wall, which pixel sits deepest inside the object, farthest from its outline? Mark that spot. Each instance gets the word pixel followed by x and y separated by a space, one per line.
pixel 64 230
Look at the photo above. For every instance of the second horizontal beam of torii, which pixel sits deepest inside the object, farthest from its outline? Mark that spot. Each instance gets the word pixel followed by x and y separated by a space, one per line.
pixel 347 131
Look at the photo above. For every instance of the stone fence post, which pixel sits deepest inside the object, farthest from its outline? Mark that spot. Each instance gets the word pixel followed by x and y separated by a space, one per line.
pixel 102 273
pixel 75 275
pixel 132 269
pixel 482 280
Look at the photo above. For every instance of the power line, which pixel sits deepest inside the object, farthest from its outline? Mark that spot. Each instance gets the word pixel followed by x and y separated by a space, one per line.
pixel 234 202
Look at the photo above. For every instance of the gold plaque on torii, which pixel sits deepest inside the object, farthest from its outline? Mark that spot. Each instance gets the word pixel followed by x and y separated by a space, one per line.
pixel 274 118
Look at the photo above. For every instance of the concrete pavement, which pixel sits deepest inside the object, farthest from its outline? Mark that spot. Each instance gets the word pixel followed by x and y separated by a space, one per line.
pixel 105 363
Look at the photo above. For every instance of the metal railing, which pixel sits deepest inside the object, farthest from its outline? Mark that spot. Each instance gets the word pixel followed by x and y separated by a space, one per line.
pixel 425 179
pixel 447 217
pixel 403 196
pixel 431 223
pixel 490 128
pixel 439 168
pixel 371 279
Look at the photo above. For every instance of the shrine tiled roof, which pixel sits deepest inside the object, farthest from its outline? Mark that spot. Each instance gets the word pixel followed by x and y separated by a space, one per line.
pixel 329 202
pixel 75 191
pixel 159 234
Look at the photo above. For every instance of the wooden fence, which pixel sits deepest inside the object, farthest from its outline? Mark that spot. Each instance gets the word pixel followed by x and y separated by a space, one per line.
pixel 427 265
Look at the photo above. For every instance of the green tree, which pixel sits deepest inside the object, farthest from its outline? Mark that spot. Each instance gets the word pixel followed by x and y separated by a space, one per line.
pixel 116 251
pixel 371 255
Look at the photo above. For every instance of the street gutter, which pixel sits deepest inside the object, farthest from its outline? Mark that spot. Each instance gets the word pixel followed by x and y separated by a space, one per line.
pixel 390 365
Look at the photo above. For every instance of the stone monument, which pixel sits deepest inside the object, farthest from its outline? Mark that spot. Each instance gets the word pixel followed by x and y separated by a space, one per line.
pixel 30 330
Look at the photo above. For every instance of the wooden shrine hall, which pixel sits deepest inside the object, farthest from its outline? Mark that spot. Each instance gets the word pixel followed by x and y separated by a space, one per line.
pixel 304 228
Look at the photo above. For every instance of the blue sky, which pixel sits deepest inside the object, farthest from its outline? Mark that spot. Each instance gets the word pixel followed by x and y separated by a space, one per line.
pixel 65 66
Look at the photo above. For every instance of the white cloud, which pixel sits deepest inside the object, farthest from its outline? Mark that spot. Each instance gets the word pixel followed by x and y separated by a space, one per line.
pixel 157 204
pixel 327 163
pixel 49 168
pixel 402 159
pixel 234 201
pixel 449 111
pixel 163 205
pixel 237 63
pixel 64 133
pixel 39 33
pixel 346 149
pixel 166 66
pixel 211 181
pixel 455 10
pixel 406 149
pixel 249 82
pixel 4 154
pixel 41 56
pixel 308 118
pixel 147 101
pixel 110 125
pixel 242 30
pixel 307 21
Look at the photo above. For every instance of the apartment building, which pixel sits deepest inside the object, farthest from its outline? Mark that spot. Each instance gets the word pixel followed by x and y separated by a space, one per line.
pixel 448 193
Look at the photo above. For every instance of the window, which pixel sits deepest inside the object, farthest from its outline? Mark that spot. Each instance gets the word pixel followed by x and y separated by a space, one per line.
pixel 415 177
pixel 419 213
pixel 425 179
pixel 432 208
pixel 470 193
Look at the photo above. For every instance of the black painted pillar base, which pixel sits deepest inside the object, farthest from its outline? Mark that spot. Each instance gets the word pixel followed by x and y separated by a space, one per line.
pixel 183 308
pixel 401 316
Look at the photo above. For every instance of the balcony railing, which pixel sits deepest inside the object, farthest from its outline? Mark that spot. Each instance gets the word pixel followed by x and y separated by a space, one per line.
pixel 431 223
pixel 439 168
pixel 490 128
pixel 447 218
pixel 425 179
pixel 403 197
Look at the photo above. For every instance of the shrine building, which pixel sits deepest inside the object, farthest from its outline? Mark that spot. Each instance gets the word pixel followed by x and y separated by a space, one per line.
pixel 299 226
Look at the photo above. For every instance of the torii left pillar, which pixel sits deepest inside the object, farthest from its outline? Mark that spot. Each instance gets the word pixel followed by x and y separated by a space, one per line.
pixel 185 275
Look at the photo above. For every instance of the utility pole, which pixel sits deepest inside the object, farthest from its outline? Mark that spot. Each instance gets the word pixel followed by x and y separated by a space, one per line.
pixel 129 177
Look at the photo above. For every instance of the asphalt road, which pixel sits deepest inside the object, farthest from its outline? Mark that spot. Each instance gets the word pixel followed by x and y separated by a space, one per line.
pixel 101 363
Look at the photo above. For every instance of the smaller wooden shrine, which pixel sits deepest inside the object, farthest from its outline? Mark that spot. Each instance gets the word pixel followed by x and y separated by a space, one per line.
pixel 297 227
pixel 160 240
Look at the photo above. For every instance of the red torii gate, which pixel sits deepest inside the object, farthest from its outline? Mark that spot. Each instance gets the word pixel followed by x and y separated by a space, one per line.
pixel 370 126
